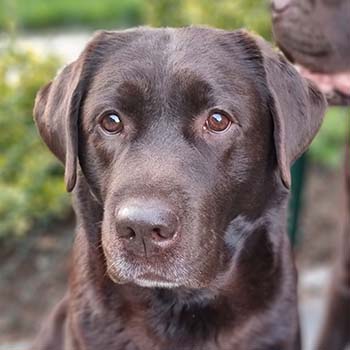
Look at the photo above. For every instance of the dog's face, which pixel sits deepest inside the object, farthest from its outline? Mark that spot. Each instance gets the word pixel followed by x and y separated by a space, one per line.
pixel 314 33
pixel 182 136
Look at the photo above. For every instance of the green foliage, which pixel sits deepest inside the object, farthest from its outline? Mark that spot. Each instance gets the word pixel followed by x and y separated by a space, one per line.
pixel 230 14
pixel 328 146
pixel 38 14
pixel 250 14
pixel 31 186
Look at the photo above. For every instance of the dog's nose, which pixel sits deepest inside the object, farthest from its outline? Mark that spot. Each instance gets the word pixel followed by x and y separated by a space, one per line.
pixel 146 225
pixel 280 5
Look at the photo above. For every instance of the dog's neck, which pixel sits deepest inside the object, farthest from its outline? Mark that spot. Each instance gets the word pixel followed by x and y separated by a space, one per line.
pixel 175 313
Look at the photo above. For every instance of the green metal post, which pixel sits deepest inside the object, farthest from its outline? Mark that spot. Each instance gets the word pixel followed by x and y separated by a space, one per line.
pixel 295 203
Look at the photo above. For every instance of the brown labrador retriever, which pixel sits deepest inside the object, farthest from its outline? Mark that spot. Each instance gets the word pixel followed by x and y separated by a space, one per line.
pixel 177 145
pixel 316 34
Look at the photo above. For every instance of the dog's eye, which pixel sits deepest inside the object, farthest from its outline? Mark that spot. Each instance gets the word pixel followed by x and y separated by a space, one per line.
pixel 111 123
pixel 217 122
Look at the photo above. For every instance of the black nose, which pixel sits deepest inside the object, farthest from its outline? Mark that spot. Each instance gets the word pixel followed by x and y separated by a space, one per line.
pixel 146 225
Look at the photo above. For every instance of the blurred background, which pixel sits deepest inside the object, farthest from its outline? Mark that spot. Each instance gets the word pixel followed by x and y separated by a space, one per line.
pixel 36 222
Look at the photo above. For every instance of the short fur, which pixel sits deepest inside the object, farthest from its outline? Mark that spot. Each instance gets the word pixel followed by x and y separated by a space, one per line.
pixel 233 276
pixel 315 33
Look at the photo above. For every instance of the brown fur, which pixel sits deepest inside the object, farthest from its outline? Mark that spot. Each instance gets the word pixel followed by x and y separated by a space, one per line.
pixel 231 263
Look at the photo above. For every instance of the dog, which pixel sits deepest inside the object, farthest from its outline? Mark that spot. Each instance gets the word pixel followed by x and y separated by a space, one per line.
pixel 326 52
pixel 177 146
pixel 316 35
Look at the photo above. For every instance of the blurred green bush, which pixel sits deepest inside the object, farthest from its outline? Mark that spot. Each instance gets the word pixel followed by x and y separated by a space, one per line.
pixel 229 14
pixel 31 187
pixel 328 148
pixel 43 14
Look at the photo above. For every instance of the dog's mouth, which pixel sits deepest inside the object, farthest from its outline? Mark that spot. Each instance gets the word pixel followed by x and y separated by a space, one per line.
pixel 336 86
pixel 171 271
pixel 124 269
pixel 145 279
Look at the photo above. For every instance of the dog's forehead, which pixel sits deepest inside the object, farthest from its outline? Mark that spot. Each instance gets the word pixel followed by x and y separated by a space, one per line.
pixel 209 52
pixel 196 65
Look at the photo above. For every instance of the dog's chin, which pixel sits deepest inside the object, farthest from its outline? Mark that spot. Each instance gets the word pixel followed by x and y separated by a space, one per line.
pixel 146 277
pixel 185 293
pixel 155 283
pixel 122 271
pixel 146 281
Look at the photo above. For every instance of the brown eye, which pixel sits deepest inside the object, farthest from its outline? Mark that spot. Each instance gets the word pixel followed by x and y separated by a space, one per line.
pixel 112 124
pixel 217 122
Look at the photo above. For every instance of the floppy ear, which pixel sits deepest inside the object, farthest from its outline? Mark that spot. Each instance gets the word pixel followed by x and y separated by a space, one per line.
pixel 56 113
pixel 297 109
pixel 57 105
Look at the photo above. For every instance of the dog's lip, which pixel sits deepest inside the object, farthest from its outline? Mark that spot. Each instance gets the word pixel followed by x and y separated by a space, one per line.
pixel 149 276
pixel 156 284
pixel 154 281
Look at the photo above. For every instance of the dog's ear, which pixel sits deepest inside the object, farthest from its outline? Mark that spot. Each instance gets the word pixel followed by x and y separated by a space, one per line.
pixel 56 112
pixel 297 109
pixel 57 105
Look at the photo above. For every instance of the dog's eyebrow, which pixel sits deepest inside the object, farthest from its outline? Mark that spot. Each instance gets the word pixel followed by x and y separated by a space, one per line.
pixel 131 97
pixel 124 96
pixel 183 94
pixel 191 92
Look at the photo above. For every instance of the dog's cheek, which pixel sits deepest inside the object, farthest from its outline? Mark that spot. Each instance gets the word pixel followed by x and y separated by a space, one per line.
pixel 111 247
pixel 96 162
pixel 107 240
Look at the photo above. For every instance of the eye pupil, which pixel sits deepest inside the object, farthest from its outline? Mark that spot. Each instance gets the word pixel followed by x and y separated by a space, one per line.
pixel 217 122
pixel 112 123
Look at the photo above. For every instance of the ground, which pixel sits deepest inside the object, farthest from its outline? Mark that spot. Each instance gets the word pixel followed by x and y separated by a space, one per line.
pixel 33 273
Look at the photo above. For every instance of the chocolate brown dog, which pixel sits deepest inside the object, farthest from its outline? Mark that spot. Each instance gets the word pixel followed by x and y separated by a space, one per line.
pixel 316 34
pixel 177 144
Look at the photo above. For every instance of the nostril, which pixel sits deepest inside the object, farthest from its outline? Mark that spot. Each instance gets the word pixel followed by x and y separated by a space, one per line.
pixel 127 233
pixel 152 222
pixel 158 234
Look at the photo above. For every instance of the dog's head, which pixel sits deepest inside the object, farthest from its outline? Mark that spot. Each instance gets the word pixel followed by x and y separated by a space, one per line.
pixel 314 33
pixel 183 136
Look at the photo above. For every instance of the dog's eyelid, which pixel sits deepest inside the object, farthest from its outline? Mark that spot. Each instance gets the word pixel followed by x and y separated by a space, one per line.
pixel 108 111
